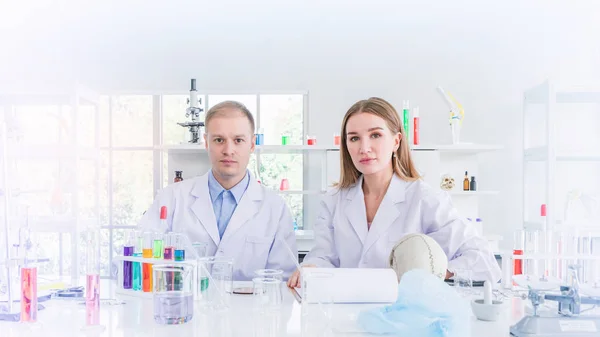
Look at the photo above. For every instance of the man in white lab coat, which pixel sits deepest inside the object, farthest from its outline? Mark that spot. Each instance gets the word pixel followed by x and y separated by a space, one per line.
pixel 227 208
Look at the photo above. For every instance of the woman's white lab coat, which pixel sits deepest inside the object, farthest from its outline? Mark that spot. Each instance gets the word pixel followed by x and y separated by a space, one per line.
pixel 254 235
pixel 343 239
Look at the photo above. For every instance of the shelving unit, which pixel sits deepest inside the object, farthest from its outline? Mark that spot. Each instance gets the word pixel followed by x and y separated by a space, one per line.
pixel 551 166
pixel 436 160
pixel 432 160
pixel 68 154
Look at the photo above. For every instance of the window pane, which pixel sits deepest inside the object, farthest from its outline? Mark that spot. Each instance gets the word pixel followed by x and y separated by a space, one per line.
pixel 86 126
pixel 275 167
pixel 282 114
pixel 118 241
pixel 104 252
pixel 50 190
pixel 174 109
pixel 132 120
pixel 47 247
pixel 103 217
pixel 132 186
pixel 248 100
pixel 34 121
pixel 103 110
pixel 294 202
pixel 86 170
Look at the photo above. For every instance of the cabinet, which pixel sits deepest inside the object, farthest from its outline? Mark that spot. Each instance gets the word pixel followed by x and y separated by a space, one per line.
pixel 561 155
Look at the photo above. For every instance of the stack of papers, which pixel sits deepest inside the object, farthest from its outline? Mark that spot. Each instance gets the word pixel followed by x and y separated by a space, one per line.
pixel 347 285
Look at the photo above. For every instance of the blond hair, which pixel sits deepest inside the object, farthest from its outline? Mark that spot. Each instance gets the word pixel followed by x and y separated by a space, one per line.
pixel 402 163
pixel 221 109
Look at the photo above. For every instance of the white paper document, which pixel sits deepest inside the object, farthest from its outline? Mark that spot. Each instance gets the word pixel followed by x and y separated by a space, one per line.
pixel 348 285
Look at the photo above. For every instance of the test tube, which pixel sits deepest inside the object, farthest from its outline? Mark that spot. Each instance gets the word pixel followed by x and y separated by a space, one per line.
pixel 519 239
pixel 179 248
pixel 531 248
pixel 29 301
pixel 128 250
pixel 92 290
pixel 168 254
pixel 158 246
pixel 137 266
pixel 147 267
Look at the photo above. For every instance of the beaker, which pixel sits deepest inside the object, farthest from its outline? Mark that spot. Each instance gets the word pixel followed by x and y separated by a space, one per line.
pixel 215 282
pixel 201 249
pixel 336 139
pixel 270 273
pixel 173 293
pixel 285 184
pixel 463 281
pixel 267 293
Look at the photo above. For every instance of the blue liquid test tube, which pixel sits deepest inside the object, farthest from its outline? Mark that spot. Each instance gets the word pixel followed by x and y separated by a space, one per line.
pixel 179 255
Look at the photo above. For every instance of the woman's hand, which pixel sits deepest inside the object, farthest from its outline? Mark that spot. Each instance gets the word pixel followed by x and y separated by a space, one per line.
pixel 449 274
pixel 294 280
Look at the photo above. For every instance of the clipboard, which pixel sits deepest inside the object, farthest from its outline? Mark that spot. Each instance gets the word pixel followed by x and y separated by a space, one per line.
pixel 296 295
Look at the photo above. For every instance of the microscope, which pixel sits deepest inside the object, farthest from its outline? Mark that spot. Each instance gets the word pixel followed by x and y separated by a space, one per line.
pixel 197 116
pixel 568 321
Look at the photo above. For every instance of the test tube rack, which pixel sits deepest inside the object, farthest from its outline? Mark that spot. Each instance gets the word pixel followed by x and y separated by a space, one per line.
pixel 545 281
pixel 191 258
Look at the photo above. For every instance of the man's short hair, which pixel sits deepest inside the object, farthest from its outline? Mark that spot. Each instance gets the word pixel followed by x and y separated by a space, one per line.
pixel 221 108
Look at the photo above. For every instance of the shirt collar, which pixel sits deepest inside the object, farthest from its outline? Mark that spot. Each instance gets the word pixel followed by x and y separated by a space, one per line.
pixel 237 191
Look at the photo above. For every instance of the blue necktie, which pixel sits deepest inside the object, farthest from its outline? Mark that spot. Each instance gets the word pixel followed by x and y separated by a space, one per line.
pixel 227 207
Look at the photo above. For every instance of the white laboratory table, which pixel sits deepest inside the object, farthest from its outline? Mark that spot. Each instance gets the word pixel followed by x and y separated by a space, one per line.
pixel 135 318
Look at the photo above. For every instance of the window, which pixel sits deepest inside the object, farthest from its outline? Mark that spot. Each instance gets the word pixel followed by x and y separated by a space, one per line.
pixel 119 181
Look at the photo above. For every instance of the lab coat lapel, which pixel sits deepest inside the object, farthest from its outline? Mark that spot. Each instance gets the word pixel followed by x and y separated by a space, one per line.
pixel 356 212
pixel 387 212
pixel 203 208
pixel 246 208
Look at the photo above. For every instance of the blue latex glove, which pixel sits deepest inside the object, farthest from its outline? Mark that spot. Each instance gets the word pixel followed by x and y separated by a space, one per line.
pixel 426 307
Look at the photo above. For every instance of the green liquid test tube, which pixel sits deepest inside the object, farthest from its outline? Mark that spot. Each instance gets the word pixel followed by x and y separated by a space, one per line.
pixel 158 249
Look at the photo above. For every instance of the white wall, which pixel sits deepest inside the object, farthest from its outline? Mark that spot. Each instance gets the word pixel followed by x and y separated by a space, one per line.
pixel 486 53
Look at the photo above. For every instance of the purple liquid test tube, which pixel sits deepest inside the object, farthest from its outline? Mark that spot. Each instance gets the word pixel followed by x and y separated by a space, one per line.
pixel 127 268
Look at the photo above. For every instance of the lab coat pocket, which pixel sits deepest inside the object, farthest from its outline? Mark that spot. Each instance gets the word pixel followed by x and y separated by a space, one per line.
pixel 256 250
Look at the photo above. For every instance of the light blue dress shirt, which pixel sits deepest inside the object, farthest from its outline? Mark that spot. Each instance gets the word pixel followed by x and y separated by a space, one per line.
pixel 225 201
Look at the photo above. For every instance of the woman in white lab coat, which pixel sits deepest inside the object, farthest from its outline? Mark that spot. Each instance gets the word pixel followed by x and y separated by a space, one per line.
pixel 380 198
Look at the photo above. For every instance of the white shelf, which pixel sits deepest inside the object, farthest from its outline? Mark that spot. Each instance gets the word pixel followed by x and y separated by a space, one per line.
pixel 464 148
pixel 572 94
pixel 51 96
pixel 540 153
pixel 305 234
pixel 54 224
pixel 191 148
pixel 32 152
pixel 446 148
pixel 473 193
